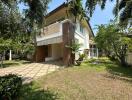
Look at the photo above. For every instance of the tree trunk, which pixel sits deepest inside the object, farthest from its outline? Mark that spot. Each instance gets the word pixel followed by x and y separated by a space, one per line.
pixel 1 58
pixel 10 55
pixel 123 61
pixel 2 62
pixel 35 40
pixel 73 58
pixel 35 46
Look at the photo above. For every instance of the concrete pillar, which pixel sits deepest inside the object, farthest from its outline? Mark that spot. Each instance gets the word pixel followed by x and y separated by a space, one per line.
pixel 97 52
pixel 68 36
pixel 10 55
pixel 92 52
pixel 89 53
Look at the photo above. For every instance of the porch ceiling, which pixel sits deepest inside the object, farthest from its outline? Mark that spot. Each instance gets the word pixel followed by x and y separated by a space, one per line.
pixel 50 41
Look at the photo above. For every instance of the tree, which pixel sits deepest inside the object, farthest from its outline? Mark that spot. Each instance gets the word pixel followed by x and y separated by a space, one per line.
pixel 123 7
pixel 14 28
pixel 74 48
pixel 10 19
pixel 76 10
pixel 76 13
pixel 13 25
pixel 10 23
pixel 113 42
pixel 4 45
pixel 35 13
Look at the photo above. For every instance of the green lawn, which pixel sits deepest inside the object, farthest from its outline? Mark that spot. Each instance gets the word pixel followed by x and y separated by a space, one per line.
pixel 103 81
pixel 11 63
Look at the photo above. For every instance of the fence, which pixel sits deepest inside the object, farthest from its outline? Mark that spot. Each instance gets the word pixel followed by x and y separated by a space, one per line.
pixel 129 58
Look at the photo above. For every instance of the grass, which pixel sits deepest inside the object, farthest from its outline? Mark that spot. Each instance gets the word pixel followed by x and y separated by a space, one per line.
pixel 104 80
pixel 31 92
pixel 8 63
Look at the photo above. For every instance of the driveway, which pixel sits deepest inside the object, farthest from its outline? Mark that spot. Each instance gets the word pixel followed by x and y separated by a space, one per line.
pixel 32 71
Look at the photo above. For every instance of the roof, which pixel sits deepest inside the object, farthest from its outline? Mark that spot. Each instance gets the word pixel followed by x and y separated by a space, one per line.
pixel 62 6
pixel 56 9
pixel 90 28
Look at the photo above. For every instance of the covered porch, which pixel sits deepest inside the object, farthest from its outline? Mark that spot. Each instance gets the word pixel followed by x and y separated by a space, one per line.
pixel 93 51
pixel 51 44
pixel 49 52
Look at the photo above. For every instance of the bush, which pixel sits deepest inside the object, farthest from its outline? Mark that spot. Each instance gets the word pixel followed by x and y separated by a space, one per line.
pixel 81 58
pixel 10 86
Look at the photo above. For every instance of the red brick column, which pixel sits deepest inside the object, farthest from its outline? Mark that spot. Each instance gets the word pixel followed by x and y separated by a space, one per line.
pixel 68 37
pixel 41 53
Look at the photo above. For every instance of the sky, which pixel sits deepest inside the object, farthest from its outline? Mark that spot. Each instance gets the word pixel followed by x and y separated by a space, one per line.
pixel 99 17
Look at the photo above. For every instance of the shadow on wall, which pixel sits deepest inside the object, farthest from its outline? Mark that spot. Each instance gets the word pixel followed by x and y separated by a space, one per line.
pixel 30 93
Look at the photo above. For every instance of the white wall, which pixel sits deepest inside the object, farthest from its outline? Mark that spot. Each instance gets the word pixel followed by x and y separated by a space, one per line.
pixel 86 38
pixel 129 58
pixel 83 38
pixel 57 51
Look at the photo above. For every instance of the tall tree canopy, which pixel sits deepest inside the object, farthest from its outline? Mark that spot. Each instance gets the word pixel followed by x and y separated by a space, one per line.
pixel 10 20
pixel 123 7
pixel 36 10
pixel 17 28
pixel 75 9
pixel 115 44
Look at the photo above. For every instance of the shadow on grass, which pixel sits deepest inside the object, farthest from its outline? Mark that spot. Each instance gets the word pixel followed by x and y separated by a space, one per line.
pixel 30 93
pixel 14 63
pixel 9 64
pixel 123 73
pixel 23 61
pixel 116 71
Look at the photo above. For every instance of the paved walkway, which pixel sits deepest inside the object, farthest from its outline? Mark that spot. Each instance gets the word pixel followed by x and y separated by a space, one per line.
pixel 31 71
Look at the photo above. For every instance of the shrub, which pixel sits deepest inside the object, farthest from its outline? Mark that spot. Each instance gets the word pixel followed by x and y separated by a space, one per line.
pixel 81 58
pixel 10 86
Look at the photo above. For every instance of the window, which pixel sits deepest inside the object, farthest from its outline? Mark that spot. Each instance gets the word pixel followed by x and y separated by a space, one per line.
pixel 81 29
pixel 76 26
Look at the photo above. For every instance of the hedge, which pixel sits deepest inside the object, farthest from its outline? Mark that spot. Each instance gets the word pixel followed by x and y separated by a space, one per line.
pixel 10 86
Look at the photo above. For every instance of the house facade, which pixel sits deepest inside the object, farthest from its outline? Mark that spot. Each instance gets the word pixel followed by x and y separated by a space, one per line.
pixel 59 31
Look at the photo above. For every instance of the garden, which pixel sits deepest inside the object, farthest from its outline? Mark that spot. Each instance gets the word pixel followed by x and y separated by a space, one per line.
pixel 103 80
pixel 107 78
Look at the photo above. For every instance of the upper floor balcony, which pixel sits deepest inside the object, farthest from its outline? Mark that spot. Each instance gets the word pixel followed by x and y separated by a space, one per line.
pixel 50 34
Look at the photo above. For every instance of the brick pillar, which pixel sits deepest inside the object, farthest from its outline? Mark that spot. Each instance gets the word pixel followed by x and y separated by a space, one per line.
pixel 41 53
pixel 68 36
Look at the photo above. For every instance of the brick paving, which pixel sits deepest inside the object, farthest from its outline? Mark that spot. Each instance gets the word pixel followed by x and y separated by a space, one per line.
pixel 32 71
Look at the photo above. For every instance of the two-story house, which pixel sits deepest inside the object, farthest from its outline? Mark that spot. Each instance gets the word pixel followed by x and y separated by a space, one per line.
pixel 58 32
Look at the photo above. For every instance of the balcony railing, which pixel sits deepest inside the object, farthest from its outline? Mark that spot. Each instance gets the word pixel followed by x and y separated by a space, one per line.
pixel 50 34
pixel 50 31
pixel 53 28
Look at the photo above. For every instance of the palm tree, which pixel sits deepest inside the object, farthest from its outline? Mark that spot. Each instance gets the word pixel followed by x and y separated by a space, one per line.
pixel 75 9
pixel 122 7
pixel 125 9
pixel 35 13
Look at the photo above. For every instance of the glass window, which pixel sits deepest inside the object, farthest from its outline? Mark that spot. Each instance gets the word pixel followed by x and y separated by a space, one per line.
pixel 81 29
